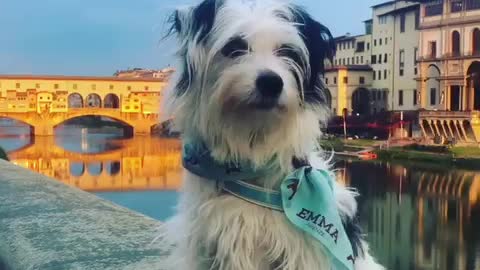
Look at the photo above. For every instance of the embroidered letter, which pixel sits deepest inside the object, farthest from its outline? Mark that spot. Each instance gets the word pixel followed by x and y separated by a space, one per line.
pixel 303 213
pixel 312 218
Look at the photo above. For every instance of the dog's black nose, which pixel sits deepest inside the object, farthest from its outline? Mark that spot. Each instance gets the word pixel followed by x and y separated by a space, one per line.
pixel 269 84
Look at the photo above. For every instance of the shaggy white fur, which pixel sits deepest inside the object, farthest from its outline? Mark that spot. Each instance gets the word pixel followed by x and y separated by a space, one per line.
pixel 214 97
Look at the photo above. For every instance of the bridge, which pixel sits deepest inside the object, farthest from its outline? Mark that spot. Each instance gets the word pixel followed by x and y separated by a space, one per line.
pixel 135 164
pixel 45 102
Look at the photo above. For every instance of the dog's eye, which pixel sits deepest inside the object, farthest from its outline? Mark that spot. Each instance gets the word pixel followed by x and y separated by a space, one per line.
pixel 235 48
pixel 289 52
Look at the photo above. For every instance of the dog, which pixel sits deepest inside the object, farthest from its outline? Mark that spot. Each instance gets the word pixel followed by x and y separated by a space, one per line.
pixel 248 86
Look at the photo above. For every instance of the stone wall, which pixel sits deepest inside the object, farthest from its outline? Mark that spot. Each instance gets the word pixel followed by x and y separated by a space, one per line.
pixel 47 225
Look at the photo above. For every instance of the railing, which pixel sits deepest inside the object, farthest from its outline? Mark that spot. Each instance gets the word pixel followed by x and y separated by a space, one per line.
pixel 449 114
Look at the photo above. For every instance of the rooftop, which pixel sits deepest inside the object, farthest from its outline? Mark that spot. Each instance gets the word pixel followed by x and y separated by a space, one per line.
pixel 77 78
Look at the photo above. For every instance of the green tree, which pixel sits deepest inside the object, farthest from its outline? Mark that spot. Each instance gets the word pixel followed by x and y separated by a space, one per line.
pixel 3 154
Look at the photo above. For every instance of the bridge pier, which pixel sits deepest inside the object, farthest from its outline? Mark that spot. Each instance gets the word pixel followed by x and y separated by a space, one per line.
pixel 142 129
pixel 43 130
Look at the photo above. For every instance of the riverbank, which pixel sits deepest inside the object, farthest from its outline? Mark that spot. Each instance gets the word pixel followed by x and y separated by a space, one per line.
pixel 456 156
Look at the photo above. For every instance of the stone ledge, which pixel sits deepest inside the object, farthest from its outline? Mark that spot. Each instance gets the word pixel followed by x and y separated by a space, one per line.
pixel 45 224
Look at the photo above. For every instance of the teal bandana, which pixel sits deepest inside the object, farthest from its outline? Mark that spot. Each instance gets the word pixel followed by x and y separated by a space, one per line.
pixel 306 197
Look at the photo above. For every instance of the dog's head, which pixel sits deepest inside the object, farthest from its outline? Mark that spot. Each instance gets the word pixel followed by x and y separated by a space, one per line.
pixel 249 81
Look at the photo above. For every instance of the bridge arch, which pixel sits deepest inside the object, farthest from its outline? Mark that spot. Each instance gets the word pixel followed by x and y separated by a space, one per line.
pixel 111 101
pixel 95 168
pixel 473 86
pixel 75 100
pixel 128 127
pixel 93 101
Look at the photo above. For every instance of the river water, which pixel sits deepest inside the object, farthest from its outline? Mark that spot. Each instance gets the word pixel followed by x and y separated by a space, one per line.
pixel 416 217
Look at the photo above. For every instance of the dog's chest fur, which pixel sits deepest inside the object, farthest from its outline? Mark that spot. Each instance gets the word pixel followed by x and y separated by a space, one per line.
pixel 217 231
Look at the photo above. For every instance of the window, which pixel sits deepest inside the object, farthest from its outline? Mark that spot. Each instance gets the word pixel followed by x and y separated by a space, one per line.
pixel 361 59
pixel 476 41
pixel 415 55
pixel 455 43
pixel 435 8
pixel 357 62
pixel 353 60
pixel 374 75
pixel 401 62
pixel 400 97
pixel 432 45
pixel 385 74
pixel 417 19
pixel 374 59
pixel 360 46
pixel 17 85
pixel 343 45
pixel 55 86
pixel 111 87
pixel 335 80
pixel 343 61
pixel 362 80
pixel 129 88
pixel 382 19
pixel 379 75
pixel 94 87
pixel 472 4
pixel 335 62
pixel 401 72
pixel 380 41
pixel 326 80
pixel 348 61
pixel 415 98
pixel 385 59
pixel 379 58
pixel 433 96
pixel 37 85
pixel 345 80
pixel 368 46
pixel 146 88
pixel 402 23
pixel 74 86
pixel 374 43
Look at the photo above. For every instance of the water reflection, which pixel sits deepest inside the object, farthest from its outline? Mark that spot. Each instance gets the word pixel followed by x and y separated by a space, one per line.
pixel 419 218
pixel 97 161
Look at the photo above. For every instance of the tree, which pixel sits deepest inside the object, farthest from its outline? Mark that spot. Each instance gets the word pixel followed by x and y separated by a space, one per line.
pixel 3 154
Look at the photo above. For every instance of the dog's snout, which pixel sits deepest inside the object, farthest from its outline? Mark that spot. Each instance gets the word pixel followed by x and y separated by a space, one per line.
pixel 269 84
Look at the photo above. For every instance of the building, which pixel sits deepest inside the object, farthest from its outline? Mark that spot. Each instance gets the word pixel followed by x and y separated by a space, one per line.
pixel 162 74
pixel 378 69
pixel 449 65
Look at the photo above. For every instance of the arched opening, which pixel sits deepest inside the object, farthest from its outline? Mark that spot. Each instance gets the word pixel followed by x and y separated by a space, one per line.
pixel 82 125
pixel 15 127
pixel 434 96
pixel 473 86
pixel 476 41
pixel 95 169
pixel 328 98
pixel 111 101
pixel 77 168
pixel 94 101
pixel 75 100
pixel 113 167
pixel 455 43
pixel 361 102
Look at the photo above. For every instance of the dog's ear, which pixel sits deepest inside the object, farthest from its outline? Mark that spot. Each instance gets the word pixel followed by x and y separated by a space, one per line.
pixel 195 22
pixel 321 48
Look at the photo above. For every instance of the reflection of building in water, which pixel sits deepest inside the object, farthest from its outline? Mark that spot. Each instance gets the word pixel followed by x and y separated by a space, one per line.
pixel 138 164
pixel 421 221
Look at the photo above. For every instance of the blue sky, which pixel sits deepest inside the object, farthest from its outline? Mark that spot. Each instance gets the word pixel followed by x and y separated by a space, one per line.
pixel 98 37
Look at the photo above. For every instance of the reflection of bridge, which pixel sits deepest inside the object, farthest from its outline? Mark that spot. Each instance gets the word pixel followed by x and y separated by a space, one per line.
pixel 44 102
pixel 137 164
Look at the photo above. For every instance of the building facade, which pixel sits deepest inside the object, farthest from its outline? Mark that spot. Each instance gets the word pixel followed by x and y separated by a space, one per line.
pixel 385 56
pixel 449 69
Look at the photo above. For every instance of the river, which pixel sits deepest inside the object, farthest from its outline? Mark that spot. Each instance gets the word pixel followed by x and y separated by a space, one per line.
pixel 416 217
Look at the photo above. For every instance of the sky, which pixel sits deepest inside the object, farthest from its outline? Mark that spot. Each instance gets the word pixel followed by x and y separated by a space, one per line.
pixel 98 37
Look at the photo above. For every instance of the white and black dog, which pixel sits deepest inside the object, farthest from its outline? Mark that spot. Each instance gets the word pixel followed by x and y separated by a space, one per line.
pixel 248 86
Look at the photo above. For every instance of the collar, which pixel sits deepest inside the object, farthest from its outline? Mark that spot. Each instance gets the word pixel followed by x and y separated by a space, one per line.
pixel 231 177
